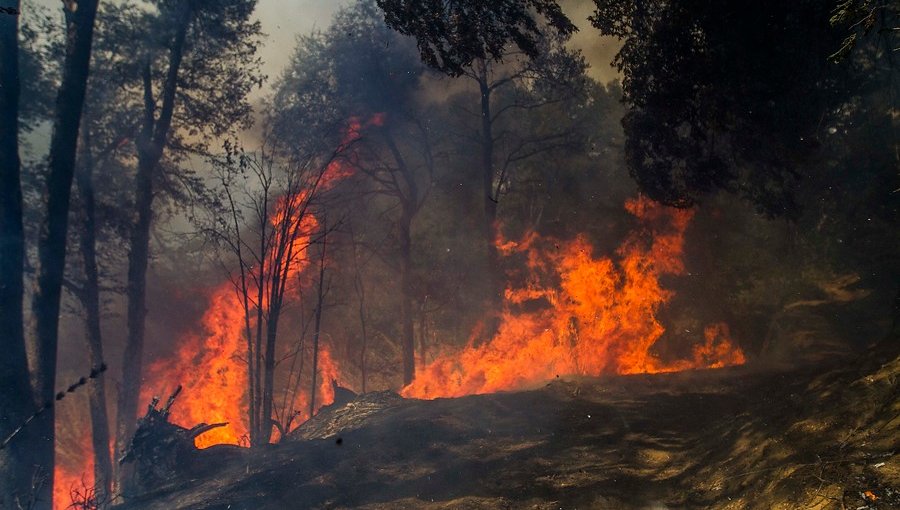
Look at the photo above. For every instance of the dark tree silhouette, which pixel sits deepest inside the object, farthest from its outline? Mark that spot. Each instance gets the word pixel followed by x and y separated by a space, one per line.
pixel 54 231
pixel 724 96
pixel 15 399
pixel 193 73
pixel 452 35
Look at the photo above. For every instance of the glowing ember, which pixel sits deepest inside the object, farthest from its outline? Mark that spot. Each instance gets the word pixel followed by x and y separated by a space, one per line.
pixel 580 314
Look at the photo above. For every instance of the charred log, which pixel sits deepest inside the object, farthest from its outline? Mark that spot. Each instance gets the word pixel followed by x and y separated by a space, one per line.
pixel 162 452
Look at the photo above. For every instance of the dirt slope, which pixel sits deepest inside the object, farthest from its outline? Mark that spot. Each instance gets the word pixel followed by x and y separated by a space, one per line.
pixel 731 439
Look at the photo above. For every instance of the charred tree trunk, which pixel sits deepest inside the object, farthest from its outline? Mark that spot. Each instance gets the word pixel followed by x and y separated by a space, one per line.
pixel 409 202
pixel 360 288
pixel 495 284
pixel 281 264
pixel 52 243
pixel 136 290
pixel 90 302
pixel 256 405
pixel 406 313
pixel 248 330
pixel 269 379
pixel 423 333
pixel 362 350
pixel 318 324
pixel 150 145
pixel 15 399
pixel 361 294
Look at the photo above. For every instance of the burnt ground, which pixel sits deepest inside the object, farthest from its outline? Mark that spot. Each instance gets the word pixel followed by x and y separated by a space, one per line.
pixel 737 438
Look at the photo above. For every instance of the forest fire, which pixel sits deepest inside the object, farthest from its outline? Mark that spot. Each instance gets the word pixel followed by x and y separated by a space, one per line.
pixel 572 312
pixel 212 364
pixel 578 313
pixel 73 485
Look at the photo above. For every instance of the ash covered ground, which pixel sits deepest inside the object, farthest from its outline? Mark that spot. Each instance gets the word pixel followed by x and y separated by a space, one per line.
pixel 746 437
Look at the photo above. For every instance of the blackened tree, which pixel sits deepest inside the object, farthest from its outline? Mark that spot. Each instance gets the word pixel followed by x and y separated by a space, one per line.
pixel 15 477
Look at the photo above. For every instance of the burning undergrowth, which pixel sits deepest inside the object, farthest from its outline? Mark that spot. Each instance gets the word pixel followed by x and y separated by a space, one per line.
pixel 566 311
pixel 573 313
pixel 576 312
pixel 213 364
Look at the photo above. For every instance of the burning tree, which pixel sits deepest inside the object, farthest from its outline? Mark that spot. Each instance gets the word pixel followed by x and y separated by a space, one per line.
pixel 397 158
pixel 268 229
pixel 187 82
pixel 514 55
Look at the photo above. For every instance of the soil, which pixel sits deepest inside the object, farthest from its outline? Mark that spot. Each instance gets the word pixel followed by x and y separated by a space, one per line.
pixel 823 437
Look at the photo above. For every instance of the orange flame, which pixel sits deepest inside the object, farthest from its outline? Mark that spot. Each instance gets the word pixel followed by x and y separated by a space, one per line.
pixel 580 314
pixel 67 481
pixel 211 365
pixel 73 474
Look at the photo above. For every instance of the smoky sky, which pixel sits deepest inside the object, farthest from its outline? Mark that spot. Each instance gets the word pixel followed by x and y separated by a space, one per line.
pixel 283 20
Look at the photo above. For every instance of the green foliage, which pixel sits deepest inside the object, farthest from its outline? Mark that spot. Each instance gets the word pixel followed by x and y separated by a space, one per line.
pixel 219 69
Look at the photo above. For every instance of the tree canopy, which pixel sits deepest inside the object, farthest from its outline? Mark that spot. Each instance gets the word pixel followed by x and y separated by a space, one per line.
pixel 725 96
pixel 451 35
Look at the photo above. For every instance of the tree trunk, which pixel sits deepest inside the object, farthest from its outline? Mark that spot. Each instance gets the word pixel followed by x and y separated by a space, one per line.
pixel 359 287
pixel 406 313
pixel 409 202
pixel 318 326
pixel 15 399
pixel 423 333
pixel 248 331
pixel 52 243
pixel 138 256
pixel 256 405
pixel 489 227
pixel 90 301
pixel 150 145
pixel 269 381
pixel 361 292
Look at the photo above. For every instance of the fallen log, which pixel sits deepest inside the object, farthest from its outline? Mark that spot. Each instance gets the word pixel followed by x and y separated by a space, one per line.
pixel 161 452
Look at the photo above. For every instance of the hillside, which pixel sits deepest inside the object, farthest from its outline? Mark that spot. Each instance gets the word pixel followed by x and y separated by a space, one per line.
pixel 736 438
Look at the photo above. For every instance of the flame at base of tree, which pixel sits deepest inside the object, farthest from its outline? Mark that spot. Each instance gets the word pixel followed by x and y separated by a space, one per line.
pixel 212 365
pixel 578 313
pixel 74 486
pixel 73 474
pixel 212 368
